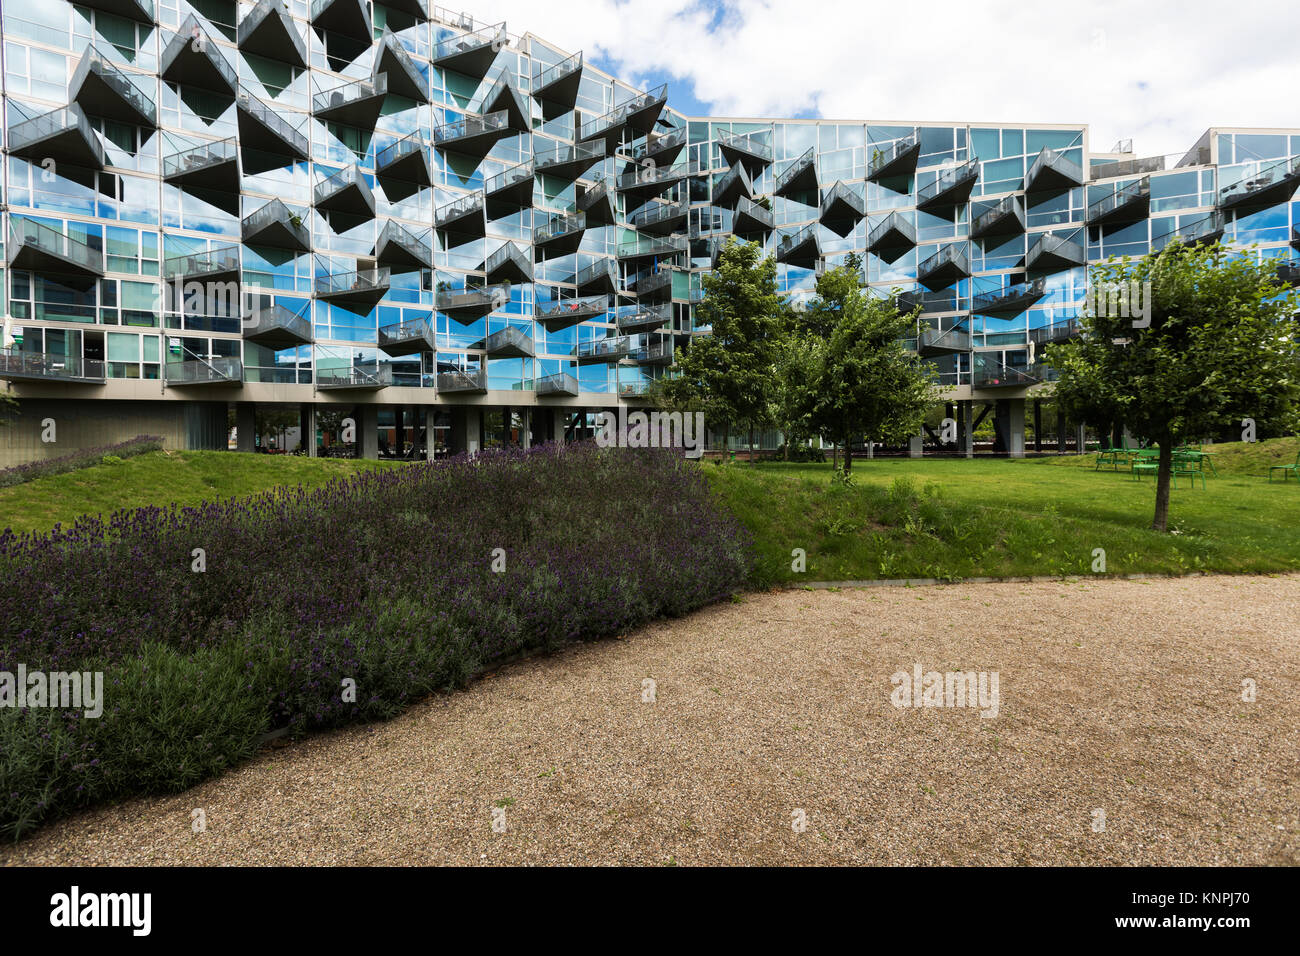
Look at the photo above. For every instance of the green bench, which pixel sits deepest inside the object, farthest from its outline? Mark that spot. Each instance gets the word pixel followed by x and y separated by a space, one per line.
pixel 1287 470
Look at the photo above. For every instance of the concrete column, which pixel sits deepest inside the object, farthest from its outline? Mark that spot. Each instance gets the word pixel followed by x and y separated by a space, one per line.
pixel 559 418
pixel 871 449
pixel 473 430
pixel 526 426
pixel 1080 434
pixel 307 428
pixel 457 444
pixel 1010 424
pixel 1038 425
pixel 969 429
pixel 916 445
pixel 245 426
pixel 430 431
pixel 368 426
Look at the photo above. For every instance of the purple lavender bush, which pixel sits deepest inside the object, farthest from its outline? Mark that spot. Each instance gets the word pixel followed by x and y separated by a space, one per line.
pixel 81 458
pixel 391 579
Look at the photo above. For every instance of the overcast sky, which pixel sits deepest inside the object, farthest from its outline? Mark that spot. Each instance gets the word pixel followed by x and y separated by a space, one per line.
pixel 1157 73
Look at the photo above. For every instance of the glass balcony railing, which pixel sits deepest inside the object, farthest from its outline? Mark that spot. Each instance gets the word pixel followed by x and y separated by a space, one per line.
pixel 621 114
pixel 370 375
pixel 646 247
pixel 894 231
pixel 223 260
pixel 219 370
pixel 33 138
pixel 559 383
pixel 897 158
pixel 408 338
pixel 1052 170
pixel 602 273
pixel 100 88
pixel 277 224
pixel 273 123
pixel 268 30
pixel 1009 300
pixel 1126 204
pixel 469 129
pixel 199 158
pixel 464 380
pixel 736 147
pixel 1263 183
pixel 400 244
pixel 552 75
pixel 566 312
pixel 44 248
pixel 1005 217
pixel 190 57
pixel 17 365
pixel 278 326
pixel 952 186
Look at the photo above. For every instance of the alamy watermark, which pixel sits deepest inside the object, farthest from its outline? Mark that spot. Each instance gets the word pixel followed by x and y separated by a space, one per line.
pixel 64 690
pixel 651 430
pixel 923 688
pixel 1121 300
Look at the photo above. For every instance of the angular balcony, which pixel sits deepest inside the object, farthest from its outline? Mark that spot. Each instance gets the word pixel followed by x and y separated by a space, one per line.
pixel 633 391
pixel 1270 183
pixel 41 248
pixel 568 162
pixel 472 136
pixel 755 155
pixel 951 187
pixel 404 166
pixel 842 209
pixel 64 135
pixel 347 18
pixel 209 166
pixel 949 264
pixel 278 226
pixel 656 286
pixel 910 300
pixel 638 114
pixel 408 338
pixel 356 291
pixel 612 348
pixel 509 190
pixel 1053 253
pixel 464 381
pixel 1288 273
pixel 401 249
pixel 212 265
pixel 565 313
pixel 752 220
pixel 596 202
pixel 101 89
pixel 1052 172
pixel 988 372
pixel 462 220
pixel 1127 204
pixel 656 247
pixel 471 54
pixel 192 59
pixel 896 159
pixel 660 218
pixel 656 350
pixel 1201 232
pixel 474 302
pixel 1002 219
pixel 802 249
pixel 509 263
pixel 346 191
pixel 20 366
pixel 932 342
pixel 264 128
pixel 419 9
pixel 732 185
pixel 600 276
pixel 1056 332
pixel 662 149
pixel 642 183
pixel 1010 300
pixel 368 377
pixel 221 370
pixel 278 327
pixel 642 317
pixel 558 383
pixel 356 104
pixel 891 237
pixel 503 97
pixel 510 342
pixel 404 77
pixel 141 11
pixel 556 87
pixel 560 235
pixel 799 177
pixel 267 30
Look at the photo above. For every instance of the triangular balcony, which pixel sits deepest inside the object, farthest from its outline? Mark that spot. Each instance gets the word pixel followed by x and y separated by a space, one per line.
pixel 652 247
pixel 801 249
pixel 263 128
pixel 278 327
pixel 41 248
pixel 1052 172
pixel 509 263
pixel 401 249
pixel 219 370
pixel 64 135
pixel 208 166
pixel 892 237
pixel 347 18
pixel 752 220
pixel 642 183
pixel 662 149
pixel 366 377
pixel 278 226
pixel 951 187
pixel 988 372
pixel 654 286
pixel 472 136
pixel 950 263
pixel 560 235
pixel 932 342
pixel 408 338
pixel 638 114
pixel 346 191
pixel 356 291
pixel 473 381
pixel 415 8
pixel 466 305
pixel 556 384
pixel 732 185
pixel 404 166
pixel 1201 232
pixel 1288 273
pixel 1010 300
pixel 17 365
pixel 565 313
pixel 897 158
pixel 568 161
pixel 597 203
pixel 501 96
pixel 799 177
pixel 601 276
pixel 462 220
pixel 510 342
pixel 141 11
pixel 1052 253
pixel 357 104
pixel 842 209
pixel 1056 332
pixel 404 77
pixel 268 30
pixel 642 317
pixel 1127 204
pixel 654 350
pixel 660 218
pixel 999 220
pixel 101 89
pixel 605 351
pixel 1266 184
pixel 211 265
pixel 556 86
pixel 509 191
pixel 192 59
pixel 755 155
pixel 471 54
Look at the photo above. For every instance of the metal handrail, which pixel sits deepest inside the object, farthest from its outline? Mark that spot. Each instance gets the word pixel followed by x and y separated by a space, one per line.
pixel 24 231
pixel 605 122
pixel 56 121
pixel 16 362
pixel 196 157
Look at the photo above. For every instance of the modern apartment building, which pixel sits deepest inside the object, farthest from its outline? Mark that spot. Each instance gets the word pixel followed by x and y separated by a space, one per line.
pixel 456 236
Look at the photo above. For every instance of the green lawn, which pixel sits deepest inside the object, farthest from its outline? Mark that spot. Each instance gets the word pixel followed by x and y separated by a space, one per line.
pixel 159 478
pixel 957 518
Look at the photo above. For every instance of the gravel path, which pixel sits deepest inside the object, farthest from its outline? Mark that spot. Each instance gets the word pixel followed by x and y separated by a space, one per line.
pixel 1121 696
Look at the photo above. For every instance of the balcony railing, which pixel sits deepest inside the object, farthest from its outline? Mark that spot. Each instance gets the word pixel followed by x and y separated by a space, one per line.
pixel 663 148
pixel 371 375
pixel 399 244
pixel 950 263
pixel 1126 204
pixel 1053 253
pixel 509 258
pixel 273 123
pixel 545 82
pixel 646 247
pixel 736 148
pixel 800 175
pixel 751 217
pixel 479 300
pixel 988 372
pixel 279 327
pixel 198 159
pixel 471 130
pixel 566 312
pixel 633 390
pixel 510 342
pixel 802 248
pixel 1288 273
pixel 1268 183
pixel 405 159
pixel 896 159
pixel 602 272
pixel 1207 230
pixel 17 365
pixel 624 112
pixel 191 58
pixel 940 342
pixel 1005 217
pixel 362 284
pixel 404 77
pixel 333 191
pixel 59 134
pixel 276 224
pixel 559 227
pixel 895 231
pixel 660 217
pixel 842 209
pixel 408 338
pixel 1056 332
pixel 463 380
pixel 734 183
pixel 220 370
pixel 559 383
pixel 472 53
pixel 221 261
pixel 517 179
pixel 609 349
pixel 34 245
pixel 99 87
pixel 1011 300
pixel 951 187
pixel 357 103
pixel 1052 170
pixel 642 317
pixel 267 29
pixel 655 284
pixel 461 211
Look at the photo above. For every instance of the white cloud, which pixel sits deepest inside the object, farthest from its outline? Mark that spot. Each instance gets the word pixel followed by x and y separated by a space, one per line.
pixel 1158 73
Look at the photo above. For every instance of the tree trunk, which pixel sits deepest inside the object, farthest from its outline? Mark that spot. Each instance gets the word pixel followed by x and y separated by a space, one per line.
pixel 848 454
pixel 835 457
pixel 1161 521
pixel 751 444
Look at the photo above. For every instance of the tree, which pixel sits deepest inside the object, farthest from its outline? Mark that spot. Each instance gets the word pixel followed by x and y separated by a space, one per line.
pixel 1220 346
pixel 730 374
pixel 867 383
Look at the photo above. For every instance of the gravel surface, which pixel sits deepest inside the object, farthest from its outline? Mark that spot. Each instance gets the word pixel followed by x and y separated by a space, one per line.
pixel 1118 696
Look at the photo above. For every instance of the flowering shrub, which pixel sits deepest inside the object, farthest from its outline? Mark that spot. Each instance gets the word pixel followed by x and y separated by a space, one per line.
pixel 82 458
pixel 392 579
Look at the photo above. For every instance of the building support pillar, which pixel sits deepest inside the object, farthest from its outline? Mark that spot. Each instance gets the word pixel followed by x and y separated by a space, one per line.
pixel 307 428
pixel 1081 439
pixel 915 445
pixel 968 430
pixel 473 429
pixel 1038 425
pixel 368 426
pixel 430 430
pixel 526 427
pixel 245 427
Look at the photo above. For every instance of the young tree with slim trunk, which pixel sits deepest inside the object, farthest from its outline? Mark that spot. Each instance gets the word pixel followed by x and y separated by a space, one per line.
pixel 1207 338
